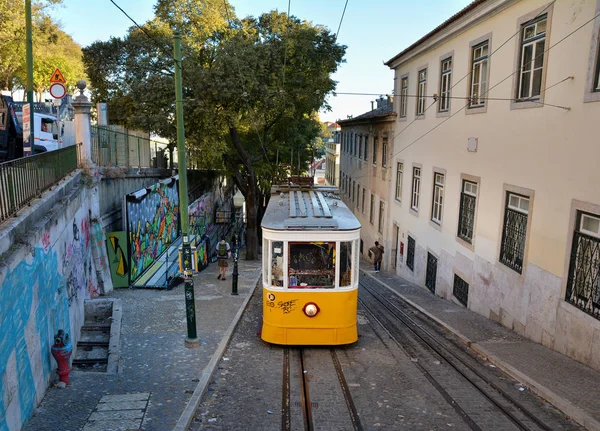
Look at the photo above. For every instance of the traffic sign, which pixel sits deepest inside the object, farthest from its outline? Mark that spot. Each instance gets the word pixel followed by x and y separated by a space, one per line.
pixel 57 76
pixel 57 90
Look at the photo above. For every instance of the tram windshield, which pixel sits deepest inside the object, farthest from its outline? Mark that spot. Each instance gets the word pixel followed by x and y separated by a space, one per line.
pixel 312 265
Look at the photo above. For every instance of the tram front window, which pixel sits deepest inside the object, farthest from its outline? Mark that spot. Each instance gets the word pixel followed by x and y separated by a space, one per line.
pixel 345 263
pixel 312 265
pixel 277 263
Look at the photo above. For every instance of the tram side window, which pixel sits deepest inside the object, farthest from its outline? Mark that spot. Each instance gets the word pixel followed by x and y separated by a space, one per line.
pixel 277 263
pixel 345 263
pixel 265 260
pixel 312 265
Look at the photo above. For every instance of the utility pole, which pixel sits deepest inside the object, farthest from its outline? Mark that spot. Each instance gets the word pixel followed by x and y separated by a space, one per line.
pixel 29 60
pixel 190 304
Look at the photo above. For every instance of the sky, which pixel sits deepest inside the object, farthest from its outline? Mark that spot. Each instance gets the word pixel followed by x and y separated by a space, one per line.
pixel 373 31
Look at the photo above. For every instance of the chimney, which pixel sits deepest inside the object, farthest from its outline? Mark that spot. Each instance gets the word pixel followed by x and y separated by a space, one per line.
pixel 380 102
pixel 372 109
pixel 390 99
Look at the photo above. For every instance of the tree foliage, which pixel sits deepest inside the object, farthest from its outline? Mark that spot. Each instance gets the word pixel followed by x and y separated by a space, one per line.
pixel 52 48
pixel 252 88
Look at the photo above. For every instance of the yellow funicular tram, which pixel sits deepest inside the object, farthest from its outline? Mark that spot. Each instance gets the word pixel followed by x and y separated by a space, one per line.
pixel 310 267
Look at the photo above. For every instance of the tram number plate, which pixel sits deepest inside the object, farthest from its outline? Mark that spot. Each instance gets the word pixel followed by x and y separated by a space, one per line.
pixel 270 304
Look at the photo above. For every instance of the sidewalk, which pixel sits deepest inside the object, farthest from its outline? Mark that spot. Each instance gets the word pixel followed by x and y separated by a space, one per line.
pixel 567 384
pixel 160 381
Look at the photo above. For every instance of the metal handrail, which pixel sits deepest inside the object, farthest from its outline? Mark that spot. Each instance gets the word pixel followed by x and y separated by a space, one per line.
pixel 25 179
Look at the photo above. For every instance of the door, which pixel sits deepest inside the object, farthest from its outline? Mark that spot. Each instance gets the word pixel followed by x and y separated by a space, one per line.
pixel 431 272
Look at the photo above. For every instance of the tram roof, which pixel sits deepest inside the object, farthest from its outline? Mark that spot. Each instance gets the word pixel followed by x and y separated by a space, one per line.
pixel 308 208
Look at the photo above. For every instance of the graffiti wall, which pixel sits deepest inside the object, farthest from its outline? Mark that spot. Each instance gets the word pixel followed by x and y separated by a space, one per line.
pixel 152 224
pixel 202 214
pixel 116 248
pixel 43 286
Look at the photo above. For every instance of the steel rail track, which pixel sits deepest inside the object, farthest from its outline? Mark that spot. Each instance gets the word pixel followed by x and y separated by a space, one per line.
pixel 429 340
pixel 307 405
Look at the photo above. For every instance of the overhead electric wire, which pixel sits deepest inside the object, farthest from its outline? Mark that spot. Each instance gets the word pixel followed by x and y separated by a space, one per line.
pixel 340 25
pixel 156 42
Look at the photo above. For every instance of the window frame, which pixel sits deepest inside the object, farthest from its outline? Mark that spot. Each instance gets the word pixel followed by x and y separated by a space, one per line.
pixel 592 88
pixel 384 151
pixel 404 96
pixel 366 149
pixel 445 75
pixel 438 186
pixel 399 180
pixel 522 22
pixel 483 76
pixel 421 93
pixel 416 184
pixel 524 44
pixel 468 179
pixel 363 199
pixel 525 193
pixel 375 149
pixel 381 219
pixel 372 209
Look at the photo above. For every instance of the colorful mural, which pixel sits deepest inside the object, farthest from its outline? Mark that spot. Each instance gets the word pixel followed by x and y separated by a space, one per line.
pixel 152 225
pixel 43 291
pixel 202 214
pixel 116 245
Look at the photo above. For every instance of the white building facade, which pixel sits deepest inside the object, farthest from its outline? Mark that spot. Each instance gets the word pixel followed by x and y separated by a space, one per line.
pixel 496 188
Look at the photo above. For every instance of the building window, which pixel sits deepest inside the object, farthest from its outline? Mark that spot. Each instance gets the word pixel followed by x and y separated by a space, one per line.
pixel 353 188
pixel 366 154
pixel 479 73
pixel 416 189
pixel 372 209
pixel 360 143
pixel 514 231
pixel 438 198
pixel 533 42
pixel 403 96
pixel 358 196
pixel 399 170
pixel 355 148
pixel 466 215
pixel 381 216
pixel 445 84
pixel 583 285
pixel 410 254
pixel 384 151
pixel 460 290
pixel 422 92
pixel 597 83
pixel 363 199
pixel 375 149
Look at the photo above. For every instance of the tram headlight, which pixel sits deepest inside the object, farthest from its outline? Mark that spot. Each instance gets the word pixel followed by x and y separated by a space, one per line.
pixel 311 309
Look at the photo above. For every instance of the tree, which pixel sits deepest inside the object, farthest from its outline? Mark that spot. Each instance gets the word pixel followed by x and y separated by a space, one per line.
pixel 251 89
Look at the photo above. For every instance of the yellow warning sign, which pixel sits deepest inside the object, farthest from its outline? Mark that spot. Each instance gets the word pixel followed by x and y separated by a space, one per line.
pixel 57 76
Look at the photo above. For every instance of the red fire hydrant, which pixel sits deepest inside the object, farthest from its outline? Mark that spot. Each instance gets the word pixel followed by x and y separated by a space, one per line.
pixel 61 350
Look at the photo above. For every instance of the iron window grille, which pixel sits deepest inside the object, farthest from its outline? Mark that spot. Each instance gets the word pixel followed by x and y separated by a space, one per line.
pixel 479 73
pixel 583 284
pixel 533 41
pixel 514 232
pixel 466 215
pixel 384 151
pixel 422 92
pixel 460 290
pixel 381 216
pixel 445 85
pixel 410 254
pixel 399 170
pixel 375 149
pixel 403 97
pixel 416 189
pixel 438 198
pixel 431 272
pixel 372 209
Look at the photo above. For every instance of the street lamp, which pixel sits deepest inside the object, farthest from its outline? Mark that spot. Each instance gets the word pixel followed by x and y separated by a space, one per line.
pixel 238 203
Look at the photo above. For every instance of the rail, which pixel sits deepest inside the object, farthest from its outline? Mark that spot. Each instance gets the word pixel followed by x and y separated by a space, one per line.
pixel 25 179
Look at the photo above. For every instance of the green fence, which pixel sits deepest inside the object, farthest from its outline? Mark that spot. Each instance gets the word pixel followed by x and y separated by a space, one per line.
pixel 113 147
pixel 25 179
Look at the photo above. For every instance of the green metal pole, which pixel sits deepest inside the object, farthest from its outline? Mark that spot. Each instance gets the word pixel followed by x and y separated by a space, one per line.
pixel 190 305
pixel 29 60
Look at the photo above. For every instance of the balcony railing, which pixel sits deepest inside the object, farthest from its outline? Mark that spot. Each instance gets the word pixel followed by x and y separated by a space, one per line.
pixel 25 179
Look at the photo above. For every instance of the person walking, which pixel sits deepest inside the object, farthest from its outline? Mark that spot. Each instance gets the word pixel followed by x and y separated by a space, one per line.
pixel 223 253
pixel 377 252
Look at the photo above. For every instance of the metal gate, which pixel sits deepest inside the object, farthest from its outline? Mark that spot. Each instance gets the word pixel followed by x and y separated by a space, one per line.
pixel 431 272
